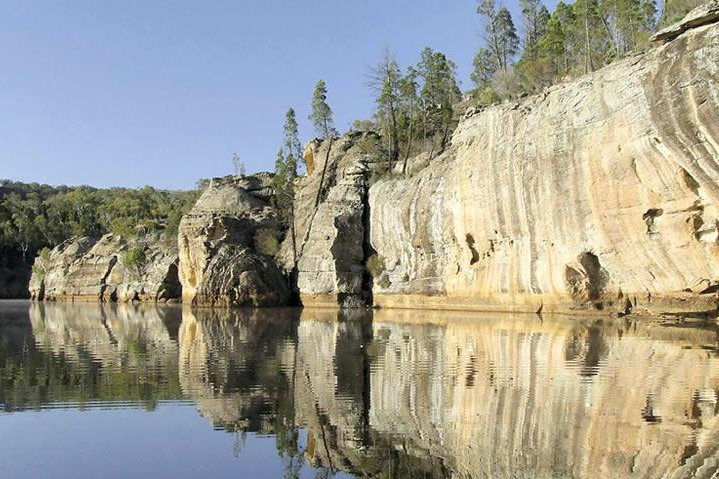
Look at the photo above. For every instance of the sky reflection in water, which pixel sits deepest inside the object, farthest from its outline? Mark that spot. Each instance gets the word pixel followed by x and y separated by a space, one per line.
pixel 146 391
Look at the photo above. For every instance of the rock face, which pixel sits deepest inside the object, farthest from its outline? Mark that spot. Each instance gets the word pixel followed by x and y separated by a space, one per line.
pixel 601 193
pixel 598 194
pixel 701 15
pixel 87 269
pixel 218 245
pixel 330 246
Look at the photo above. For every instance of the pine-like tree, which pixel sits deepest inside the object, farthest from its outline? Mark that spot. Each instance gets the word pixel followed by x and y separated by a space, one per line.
pixel 282 183
pixel 501 35
pixel 674 10
pixel 439 91
pixel 410 99
pixel 385 80
pixel 551 48
pixel 291 143
pixel 321 115
pixel 508 39
pixel 485 67
pixel 534 18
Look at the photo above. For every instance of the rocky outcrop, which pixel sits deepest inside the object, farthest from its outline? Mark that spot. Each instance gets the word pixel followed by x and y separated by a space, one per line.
pixel 109 269
pixel 219 243
pixel 329 245
pixel 599 194
pixel 701 15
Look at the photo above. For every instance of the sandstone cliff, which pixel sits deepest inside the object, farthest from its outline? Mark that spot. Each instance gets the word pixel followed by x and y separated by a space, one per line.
pixel 598 194
pixel 330 221
pixel 88 269
pixel 220 249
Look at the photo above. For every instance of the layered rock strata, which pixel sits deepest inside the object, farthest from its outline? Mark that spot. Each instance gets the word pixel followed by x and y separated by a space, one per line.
pixel 219 244
pixel 328 254
pixel 88 269
pixel 598 194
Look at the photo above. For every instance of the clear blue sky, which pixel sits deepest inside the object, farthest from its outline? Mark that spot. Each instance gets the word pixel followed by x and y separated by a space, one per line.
pixel 136 92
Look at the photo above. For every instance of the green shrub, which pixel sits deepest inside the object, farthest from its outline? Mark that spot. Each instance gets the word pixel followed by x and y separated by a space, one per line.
pixel 267 241
pixel 485 96
pixel 375 265
pixel 367 145
pixel 42 263
pixel 135 258
pixel 123 226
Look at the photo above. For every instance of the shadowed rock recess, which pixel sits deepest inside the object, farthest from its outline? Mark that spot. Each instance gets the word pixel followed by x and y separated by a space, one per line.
pixel 598 194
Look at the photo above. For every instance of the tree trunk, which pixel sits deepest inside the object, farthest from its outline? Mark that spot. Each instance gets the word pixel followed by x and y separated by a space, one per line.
pixel 409 141
pixel 292 224
pixel 587 51
pixel 393 152
pixel 611 36
pixel 324 170
pixel 24 247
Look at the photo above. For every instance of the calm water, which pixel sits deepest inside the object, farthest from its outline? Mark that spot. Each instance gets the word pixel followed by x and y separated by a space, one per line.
pixel 125 391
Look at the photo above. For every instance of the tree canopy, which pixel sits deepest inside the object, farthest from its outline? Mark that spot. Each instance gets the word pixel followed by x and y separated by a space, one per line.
pixel 321 115
pixel 34 216
pixel 575 39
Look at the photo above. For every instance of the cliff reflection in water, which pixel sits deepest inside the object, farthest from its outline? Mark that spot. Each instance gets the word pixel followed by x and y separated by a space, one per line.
pixel 392 393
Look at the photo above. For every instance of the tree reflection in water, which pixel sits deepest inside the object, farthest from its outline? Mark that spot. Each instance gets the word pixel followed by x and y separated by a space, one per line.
pixel 389 393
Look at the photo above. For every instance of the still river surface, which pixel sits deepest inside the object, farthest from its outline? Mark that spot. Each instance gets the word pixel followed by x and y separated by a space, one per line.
pixel 147 391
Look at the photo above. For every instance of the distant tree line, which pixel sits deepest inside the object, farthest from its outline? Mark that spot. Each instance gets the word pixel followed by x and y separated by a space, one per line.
pixel 35 216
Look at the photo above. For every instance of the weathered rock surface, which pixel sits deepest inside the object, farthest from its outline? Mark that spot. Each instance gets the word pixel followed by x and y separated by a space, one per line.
pixel 701 15
pixel 330 222
pixel 219 262
pixel 600 193
pixel 597 194
pixel 88 269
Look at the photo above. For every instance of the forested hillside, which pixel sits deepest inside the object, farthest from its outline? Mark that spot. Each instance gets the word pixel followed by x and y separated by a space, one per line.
pixel 35 216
